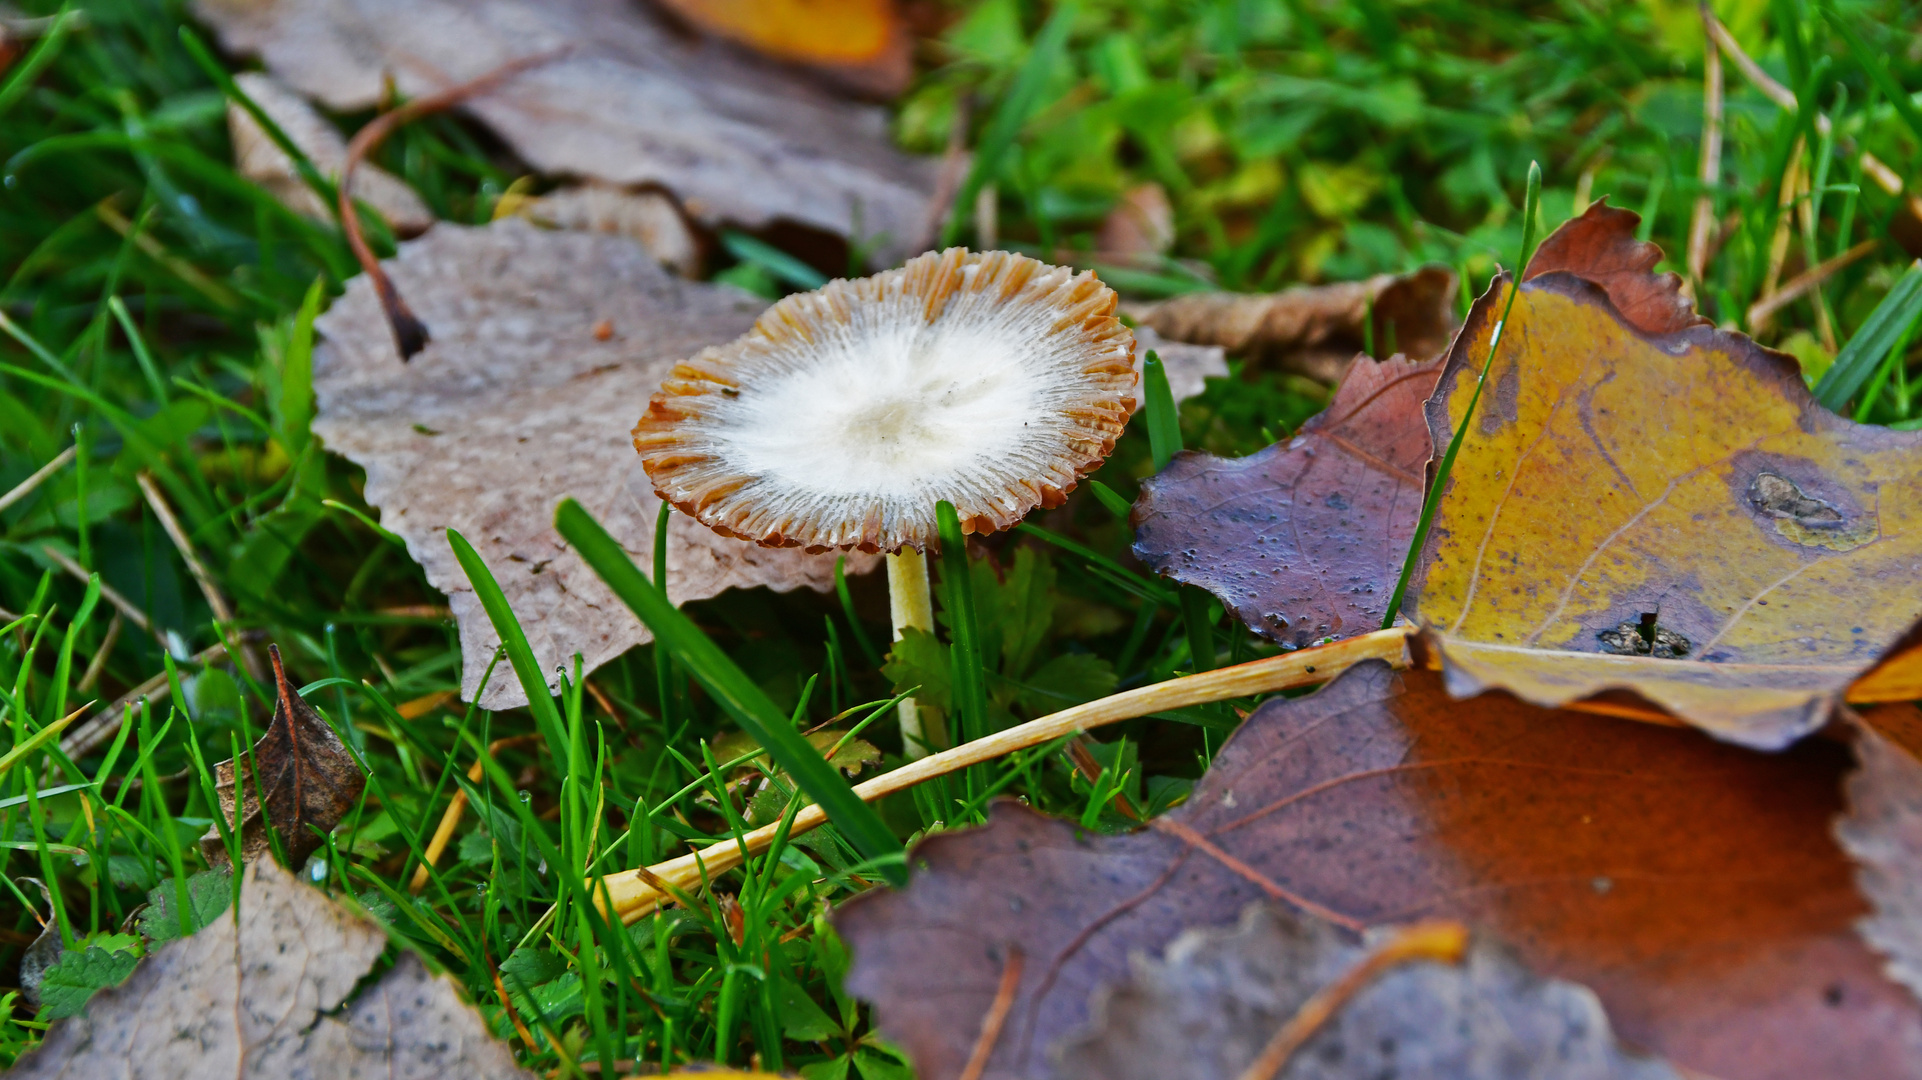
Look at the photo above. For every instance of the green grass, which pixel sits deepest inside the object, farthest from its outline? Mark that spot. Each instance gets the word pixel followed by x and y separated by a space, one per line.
pixel 156 312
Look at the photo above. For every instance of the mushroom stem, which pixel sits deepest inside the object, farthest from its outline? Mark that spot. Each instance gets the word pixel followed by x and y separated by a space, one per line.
pixel 911 606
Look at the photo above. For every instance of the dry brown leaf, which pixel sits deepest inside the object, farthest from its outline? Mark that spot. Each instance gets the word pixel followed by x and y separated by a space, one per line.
pixel 1694 886
pixel 1208 1009
pixel 1188 367
pixel 649 218
pixel 1600 247
pixel 518 402
pixel 256 998
pixel 1140 227
pixel 1316 330
pixel 629 103
pixel 266 164
pixel 307 778
pixel 1303 540
pixel 861 43
pixel 1671 514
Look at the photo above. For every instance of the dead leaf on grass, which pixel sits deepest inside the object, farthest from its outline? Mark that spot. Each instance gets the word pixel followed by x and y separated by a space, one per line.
pixel 1303 540
pixel 257 997
pixel 1694 886
pixel 1315 330
pixel 632 103
pixel 1600 247
pixel 266 164
pixel 1207 1011
pixel 517 402
pixel 305 775
pixel 649 218
pixel 1667 513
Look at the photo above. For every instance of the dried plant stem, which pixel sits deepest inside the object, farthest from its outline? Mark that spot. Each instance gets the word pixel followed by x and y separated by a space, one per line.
pixel 104 724
pixel 1805 282
pixel 1885 178
pixel 632 896
pixel 1440 941
pixel 912 608
pixel 450 819
pixel 217 603
pixel 27 487
pixel 98 664
pixel 107 592
pixel 1702 223
pixel 1793 183
pixel 410 334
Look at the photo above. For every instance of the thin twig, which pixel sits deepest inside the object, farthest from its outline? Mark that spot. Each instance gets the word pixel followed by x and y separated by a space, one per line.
pixel 104 724
pixel 410 334
pixel 224 621
pixel 1803 283
pixel 98 664
pixel 1711 167
pixel 633 893
pixel 1886 178
pixel 26 487
pixel 107 592
pixel 1441 941
pixel 997 1016
pixel 450 819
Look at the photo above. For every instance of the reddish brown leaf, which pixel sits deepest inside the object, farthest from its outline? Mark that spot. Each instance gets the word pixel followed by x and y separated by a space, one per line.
pixel 1303 540
pixel 308 779
pixel 1693 885
pixel 1600 247
pixel 1315 330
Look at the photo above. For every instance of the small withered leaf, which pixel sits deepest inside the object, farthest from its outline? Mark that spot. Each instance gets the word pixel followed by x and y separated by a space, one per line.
pixel 1600 247
pixel 1208 1009
pixel 268 994
pixel 1303 540
pixel 1316 330
pixel 299 769
pixel 629 101
pixel 1694 886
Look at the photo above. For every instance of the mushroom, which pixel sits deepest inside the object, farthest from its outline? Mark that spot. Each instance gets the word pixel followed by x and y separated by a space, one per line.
pixel 990 381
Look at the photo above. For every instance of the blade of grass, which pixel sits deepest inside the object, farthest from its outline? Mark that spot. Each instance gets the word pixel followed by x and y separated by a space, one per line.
pixel 1860 358
pixel 1530 202
pixel 745 702
pixel 540 699
pixel 1048 53
pixel 964 633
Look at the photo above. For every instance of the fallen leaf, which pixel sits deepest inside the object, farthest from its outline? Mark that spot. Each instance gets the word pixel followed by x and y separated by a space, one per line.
pixel 1315 330
pixel 1188 367
pixel 516 403
pixel 862 43
pixel 1140 227
pixel 1304 540
pixel 300 770
pixel 266 164
pixel 1694 886
pixel 1600 247
pixel 266 995
pixel 1671 514
pixel 629 103
pixel 649 218
pixel 1208 1010
pixel 1883 832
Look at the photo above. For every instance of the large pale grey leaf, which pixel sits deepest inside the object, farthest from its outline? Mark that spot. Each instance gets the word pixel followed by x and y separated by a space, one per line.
pixel 517 402
pixel 259 997
pixel 1208 1009
pixel 738 139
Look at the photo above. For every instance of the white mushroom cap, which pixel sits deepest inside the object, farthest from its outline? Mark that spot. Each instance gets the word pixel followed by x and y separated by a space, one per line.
pixel 992 381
